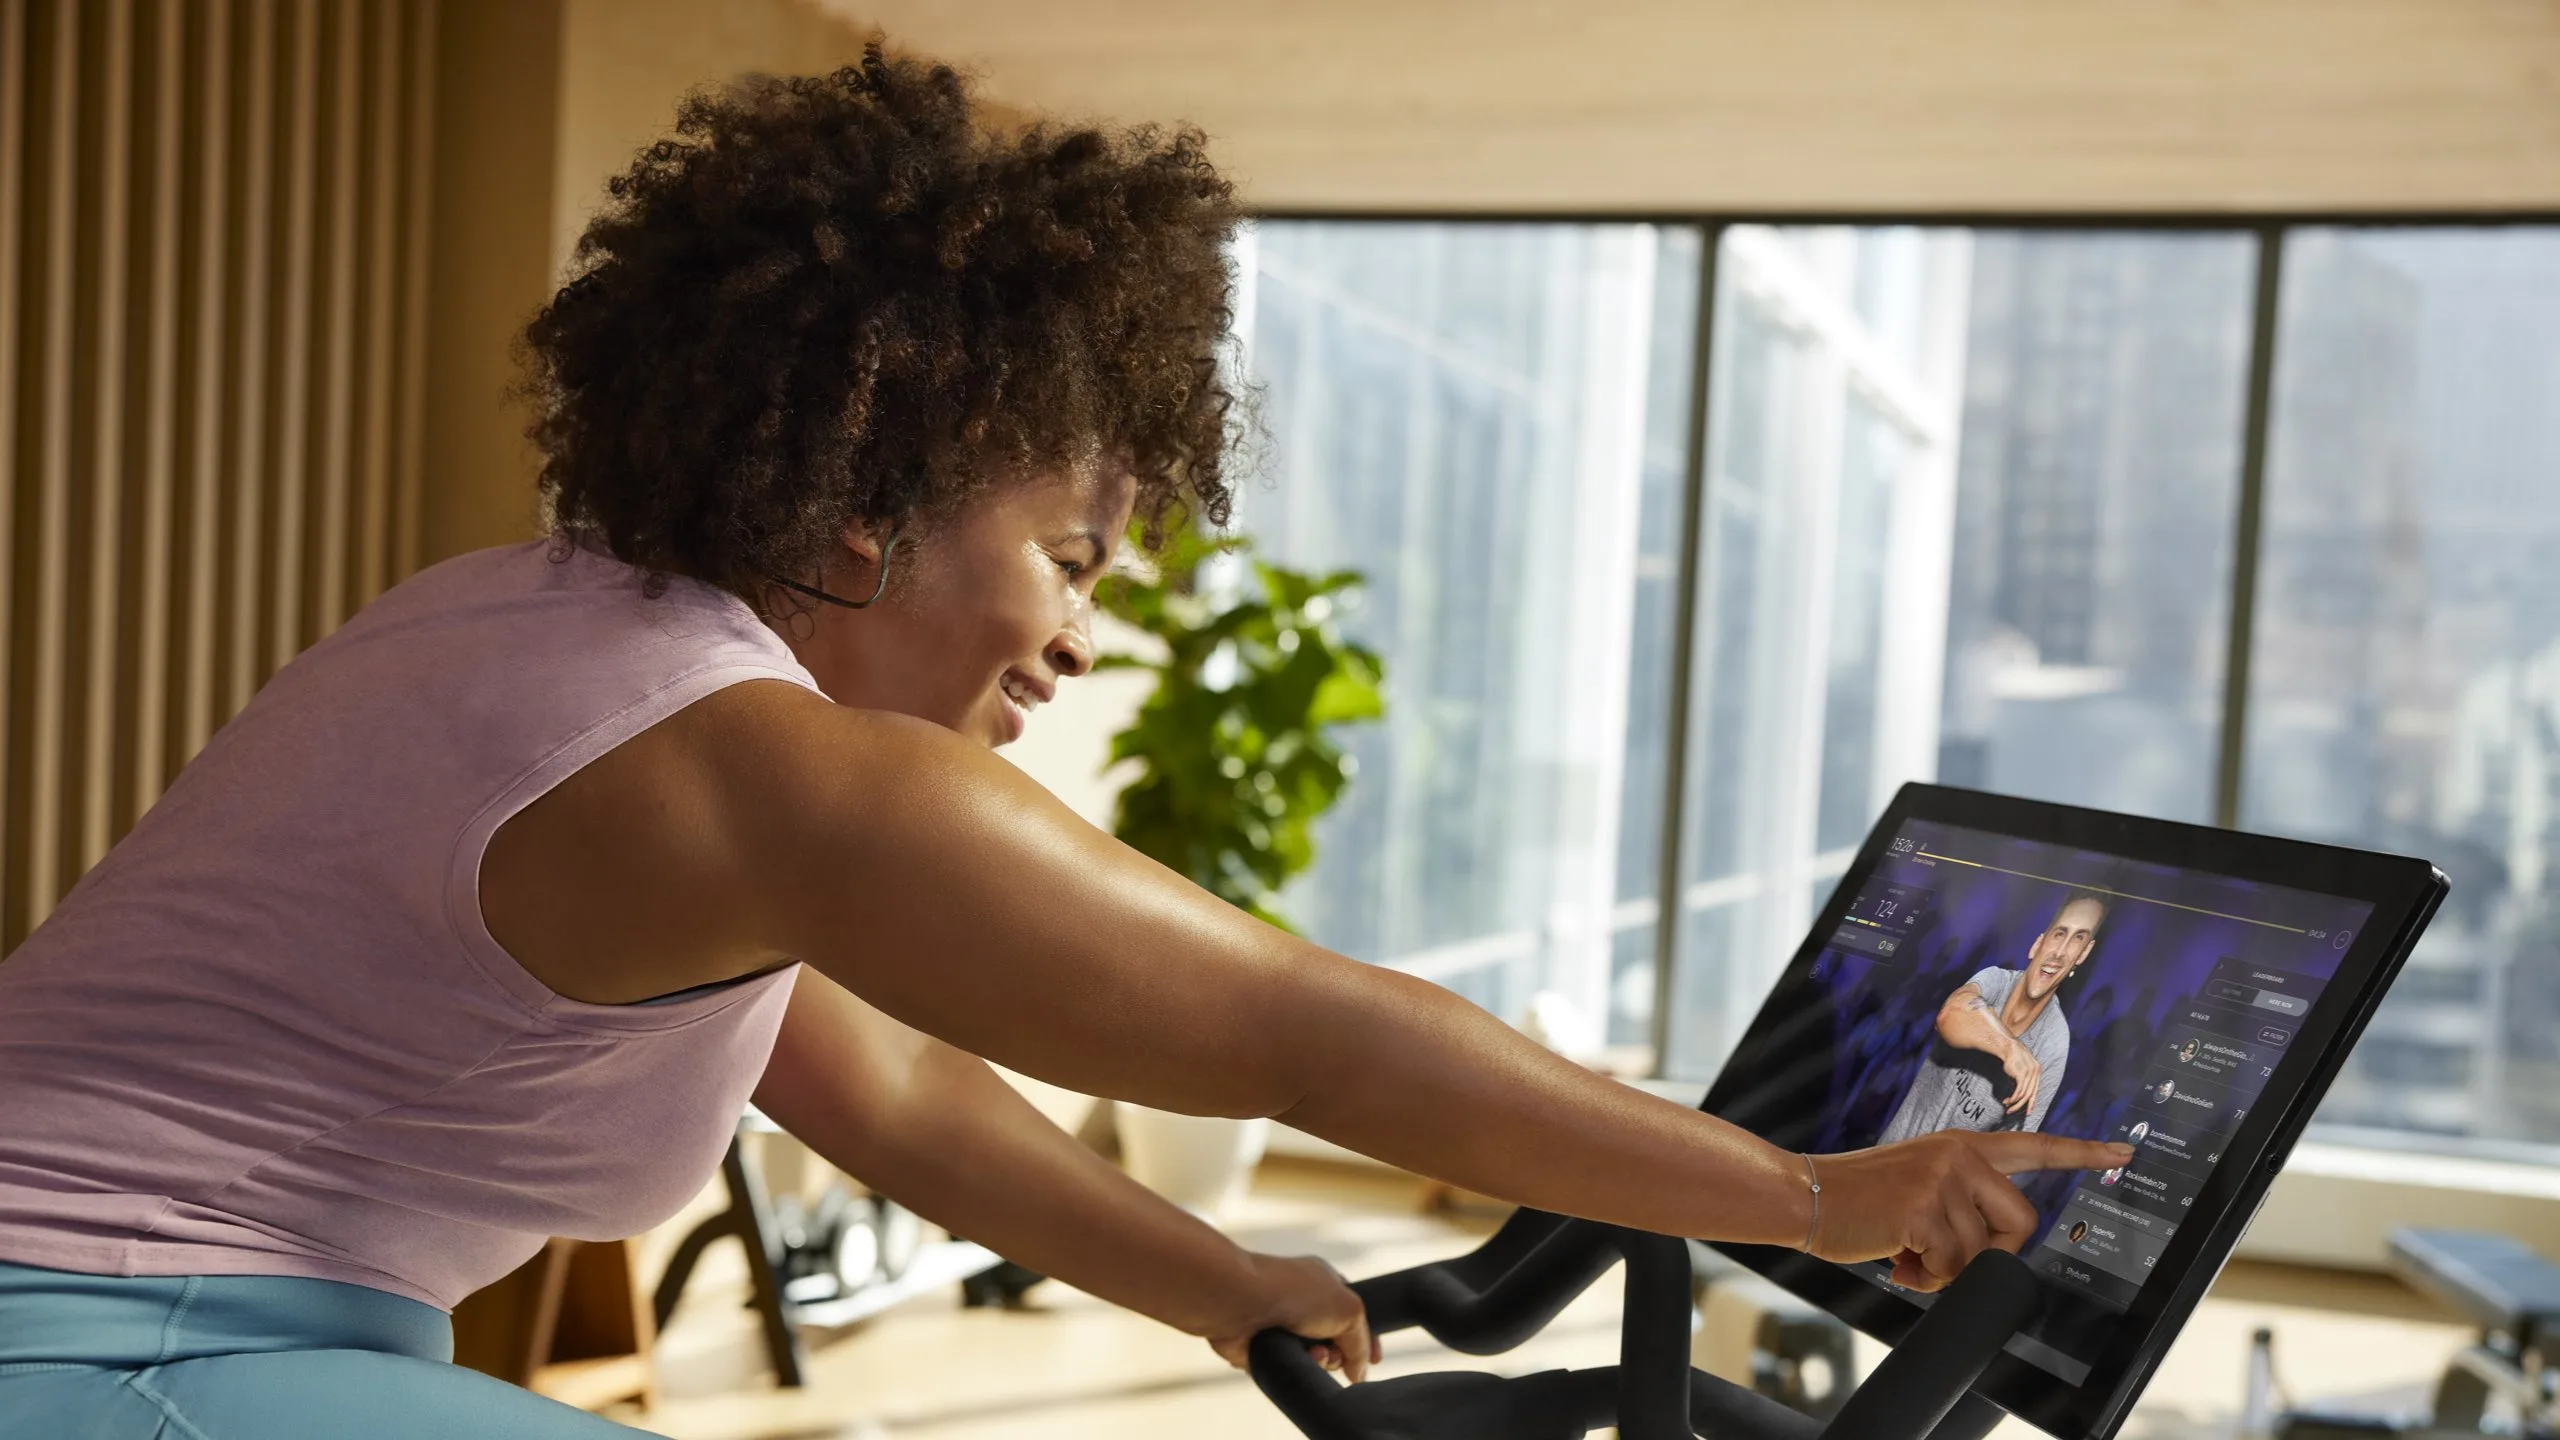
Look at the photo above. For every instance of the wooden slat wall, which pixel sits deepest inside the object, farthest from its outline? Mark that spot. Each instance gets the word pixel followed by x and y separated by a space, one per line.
pixel 212 282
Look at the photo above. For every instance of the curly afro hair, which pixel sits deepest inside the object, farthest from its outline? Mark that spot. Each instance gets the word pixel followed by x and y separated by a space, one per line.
pixel 846 298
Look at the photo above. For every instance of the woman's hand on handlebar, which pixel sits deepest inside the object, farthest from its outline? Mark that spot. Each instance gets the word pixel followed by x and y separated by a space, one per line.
pixel 1308 1298
pixel 1932 1203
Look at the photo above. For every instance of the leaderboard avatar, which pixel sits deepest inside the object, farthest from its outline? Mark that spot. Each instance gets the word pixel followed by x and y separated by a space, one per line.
pixel 2000 1035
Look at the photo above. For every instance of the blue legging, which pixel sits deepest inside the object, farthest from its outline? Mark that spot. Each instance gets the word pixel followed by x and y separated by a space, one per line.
pixel 248 1357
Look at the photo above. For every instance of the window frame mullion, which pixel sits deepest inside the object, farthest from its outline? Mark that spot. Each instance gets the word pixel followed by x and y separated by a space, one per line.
pixel 1687 587
pixel 2267 304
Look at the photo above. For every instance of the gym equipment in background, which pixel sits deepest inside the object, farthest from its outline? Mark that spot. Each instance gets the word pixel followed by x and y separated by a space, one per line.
pixel 827 1263
pixel 2505 1383
pixel 1793 1352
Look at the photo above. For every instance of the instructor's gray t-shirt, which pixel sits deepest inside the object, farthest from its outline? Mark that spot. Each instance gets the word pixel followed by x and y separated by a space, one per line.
pixel 1945 1098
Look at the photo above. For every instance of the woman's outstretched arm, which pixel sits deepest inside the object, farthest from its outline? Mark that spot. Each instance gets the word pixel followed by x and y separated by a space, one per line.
pixel 928 877
pixel 932 879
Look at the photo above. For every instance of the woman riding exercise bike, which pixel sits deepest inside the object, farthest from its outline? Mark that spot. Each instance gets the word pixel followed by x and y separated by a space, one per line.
pixel 482 922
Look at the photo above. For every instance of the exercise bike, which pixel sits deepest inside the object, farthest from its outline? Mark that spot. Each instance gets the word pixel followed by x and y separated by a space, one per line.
pixel 1933 876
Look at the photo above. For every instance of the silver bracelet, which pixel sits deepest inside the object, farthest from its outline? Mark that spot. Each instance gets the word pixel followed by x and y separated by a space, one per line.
pixel 1813 1229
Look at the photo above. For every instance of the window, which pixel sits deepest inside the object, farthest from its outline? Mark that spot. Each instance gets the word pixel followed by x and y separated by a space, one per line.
pixel 1489 421
pixel 1969 506
pixel 2098 486
pixel 2405 680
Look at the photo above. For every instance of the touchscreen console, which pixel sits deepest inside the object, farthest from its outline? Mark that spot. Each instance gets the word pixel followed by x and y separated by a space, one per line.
pixel 1995 965
pixel 1985 982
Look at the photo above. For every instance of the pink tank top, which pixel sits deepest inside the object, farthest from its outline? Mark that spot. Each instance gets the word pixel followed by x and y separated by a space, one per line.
pixel 269 1035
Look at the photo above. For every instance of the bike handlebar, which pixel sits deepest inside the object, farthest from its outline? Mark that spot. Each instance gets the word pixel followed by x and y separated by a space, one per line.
pixel 1505 1291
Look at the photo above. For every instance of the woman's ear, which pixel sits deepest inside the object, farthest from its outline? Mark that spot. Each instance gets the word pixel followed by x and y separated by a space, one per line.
pixel 867 541
pixel 870 548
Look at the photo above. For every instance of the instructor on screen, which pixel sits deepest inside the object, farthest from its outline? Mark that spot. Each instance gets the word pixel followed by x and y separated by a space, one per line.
pixel 2002 1025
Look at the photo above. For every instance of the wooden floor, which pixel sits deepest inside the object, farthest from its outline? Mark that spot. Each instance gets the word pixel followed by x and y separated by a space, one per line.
pixel 1072 1368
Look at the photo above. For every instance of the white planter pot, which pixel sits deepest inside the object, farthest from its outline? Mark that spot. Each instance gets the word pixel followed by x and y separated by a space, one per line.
pixel 1199 1162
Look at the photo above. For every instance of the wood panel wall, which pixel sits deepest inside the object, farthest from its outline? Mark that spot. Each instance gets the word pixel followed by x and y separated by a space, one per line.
pixel 212 310
pixel 1836 106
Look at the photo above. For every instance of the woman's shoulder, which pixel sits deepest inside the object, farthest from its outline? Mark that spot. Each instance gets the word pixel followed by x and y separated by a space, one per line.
pixel 639 874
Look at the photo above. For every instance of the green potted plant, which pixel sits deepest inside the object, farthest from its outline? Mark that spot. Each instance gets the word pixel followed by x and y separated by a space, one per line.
pixel 1235 759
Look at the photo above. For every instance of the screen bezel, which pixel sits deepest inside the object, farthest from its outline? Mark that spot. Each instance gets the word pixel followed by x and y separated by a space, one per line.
pixel 2403 892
